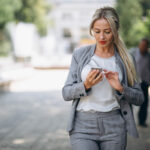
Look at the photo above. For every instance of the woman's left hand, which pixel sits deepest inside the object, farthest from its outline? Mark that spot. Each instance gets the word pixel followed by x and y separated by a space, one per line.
pixel 113 79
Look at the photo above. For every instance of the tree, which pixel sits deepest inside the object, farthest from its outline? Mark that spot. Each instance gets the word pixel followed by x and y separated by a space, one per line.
pixel 7 14
pixel 147 24
pixel 145 4
pixel 7 11
pixel 34 11
pixel 31 11
pixel 141 29
pixel 129 12
pixel 138 31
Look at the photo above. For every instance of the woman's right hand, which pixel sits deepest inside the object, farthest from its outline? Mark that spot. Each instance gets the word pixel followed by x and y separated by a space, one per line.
pixel 93 78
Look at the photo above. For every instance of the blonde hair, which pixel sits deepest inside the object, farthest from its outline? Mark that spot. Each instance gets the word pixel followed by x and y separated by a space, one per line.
pixel 112 17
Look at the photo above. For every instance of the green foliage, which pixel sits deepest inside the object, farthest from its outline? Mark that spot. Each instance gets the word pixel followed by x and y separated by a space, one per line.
pixel 147 24
pixel 31 11
pixel 34 11
pixel 7 14
pixel 7 11
pixel 146 6
pixel 138 31
pixel 5 44
pixel 129 12
pixel 134 20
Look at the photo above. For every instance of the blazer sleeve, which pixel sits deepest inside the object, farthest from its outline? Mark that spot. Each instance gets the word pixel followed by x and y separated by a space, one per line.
pixel 132 94
pixel 72 88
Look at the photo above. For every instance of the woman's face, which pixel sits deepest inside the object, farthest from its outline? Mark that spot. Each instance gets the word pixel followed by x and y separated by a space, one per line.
pixel 102 32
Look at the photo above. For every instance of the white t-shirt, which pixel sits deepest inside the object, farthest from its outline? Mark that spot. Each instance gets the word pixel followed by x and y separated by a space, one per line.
pixel 102 96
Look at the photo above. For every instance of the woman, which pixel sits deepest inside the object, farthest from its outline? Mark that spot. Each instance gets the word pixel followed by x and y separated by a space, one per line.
pixel 101 113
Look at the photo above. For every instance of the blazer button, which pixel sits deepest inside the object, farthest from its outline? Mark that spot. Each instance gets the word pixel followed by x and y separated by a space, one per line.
pixel 81 94
pixel 124 112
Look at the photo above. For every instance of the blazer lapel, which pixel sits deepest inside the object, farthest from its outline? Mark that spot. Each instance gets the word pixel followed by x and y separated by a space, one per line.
pixel 86 59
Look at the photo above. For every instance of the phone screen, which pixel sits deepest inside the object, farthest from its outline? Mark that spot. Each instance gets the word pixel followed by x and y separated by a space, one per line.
pixel 100 69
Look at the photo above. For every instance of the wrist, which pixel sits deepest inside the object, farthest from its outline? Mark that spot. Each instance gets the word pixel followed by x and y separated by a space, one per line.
pixel 120 89
pixel 86 86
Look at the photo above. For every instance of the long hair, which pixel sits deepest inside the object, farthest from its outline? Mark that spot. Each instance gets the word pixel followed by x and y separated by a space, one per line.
pixel 112 17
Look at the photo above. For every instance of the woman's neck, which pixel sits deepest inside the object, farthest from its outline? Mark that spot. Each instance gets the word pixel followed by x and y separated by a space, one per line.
pixel 107 51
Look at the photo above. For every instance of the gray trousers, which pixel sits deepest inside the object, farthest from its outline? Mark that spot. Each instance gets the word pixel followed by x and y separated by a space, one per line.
pixel 99 131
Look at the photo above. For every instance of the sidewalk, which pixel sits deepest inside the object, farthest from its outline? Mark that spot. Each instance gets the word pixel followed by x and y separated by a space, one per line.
pixel 34 115
pixel 11 71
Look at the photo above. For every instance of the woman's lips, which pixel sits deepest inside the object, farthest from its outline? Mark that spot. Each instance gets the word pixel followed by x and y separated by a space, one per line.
pixel 102 42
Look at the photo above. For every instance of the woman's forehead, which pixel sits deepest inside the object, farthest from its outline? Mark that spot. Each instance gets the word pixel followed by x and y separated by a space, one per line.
pixel 101 24
pixel 97 28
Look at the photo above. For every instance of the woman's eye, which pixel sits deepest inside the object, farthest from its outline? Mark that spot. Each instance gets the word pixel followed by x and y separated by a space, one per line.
pixel 97 32
pixel 107 32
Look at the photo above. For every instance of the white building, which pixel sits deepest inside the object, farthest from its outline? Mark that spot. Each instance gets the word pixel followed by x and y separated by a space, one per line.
pixel 71 21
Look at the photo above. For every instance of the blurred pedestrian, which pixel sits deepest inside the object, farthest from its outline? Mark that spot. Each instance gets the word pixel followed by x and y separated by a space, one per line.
pixel 142 59
pixel 103 85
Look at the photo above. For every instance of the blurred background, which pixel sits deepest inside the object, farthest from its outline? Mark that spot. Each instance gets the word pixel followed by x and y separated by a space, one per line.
pixel 37 38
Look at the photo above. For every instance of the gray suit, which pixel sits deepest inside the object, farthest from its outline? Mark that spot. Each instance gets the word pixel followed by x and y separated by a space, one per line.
pixel 74 88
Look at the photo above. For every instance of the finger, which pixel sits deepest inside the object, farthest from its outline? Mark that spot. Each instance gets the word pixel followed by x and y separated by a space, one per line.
pixel 98 78
pixel 109 75
pixel 95 74
pixel 91 71
pixel 105 70
pixel 116 73
pixel 92 75
pixel 110 72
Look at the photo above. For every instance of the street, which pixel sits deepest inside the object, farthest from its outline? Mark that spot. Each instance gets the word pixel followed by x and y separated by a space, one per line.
pixel 33 115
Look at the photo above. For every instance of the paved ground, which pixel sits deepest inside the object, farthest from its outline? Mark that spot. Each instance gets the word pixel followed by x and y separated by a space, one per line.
pixel 33 115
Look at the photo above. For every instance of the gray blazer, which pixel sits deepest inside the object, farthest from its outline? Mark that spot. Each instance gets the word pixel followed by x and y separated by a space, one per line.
pixel 74 88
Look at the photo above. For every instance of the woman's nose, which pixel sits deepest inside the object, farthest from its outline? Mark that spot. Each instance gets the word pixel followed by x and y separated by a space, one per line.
pixel 102 36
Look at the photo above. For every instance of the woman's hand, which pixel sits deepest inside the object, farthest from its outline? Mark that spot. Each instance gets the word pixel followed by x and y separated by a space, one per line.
pixel 113 79
pixel 93 78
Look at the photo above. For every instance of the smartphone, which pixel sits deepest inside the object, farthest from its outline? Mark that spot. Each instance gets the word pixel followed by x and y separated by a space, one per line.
pixel 100 70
